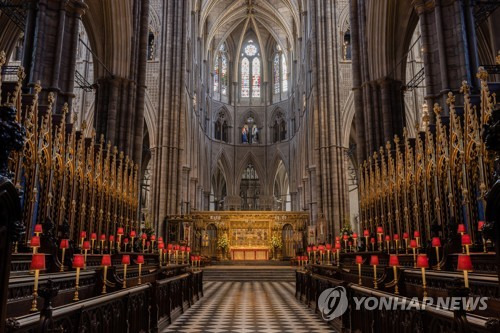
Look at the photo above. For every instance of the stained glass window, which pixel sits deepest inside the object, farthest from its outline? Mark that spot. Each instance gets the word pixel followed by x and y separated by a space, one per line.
pixel 276 73
pixel 245 78
pixel 224 79
pixel 284 68
pixel 250 49
pixel 216 74
pixel 256 77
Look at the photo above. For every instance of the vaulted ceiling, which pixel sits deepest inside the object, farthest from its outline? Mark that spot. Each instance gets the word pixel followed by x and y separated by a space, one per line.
pixel 223 20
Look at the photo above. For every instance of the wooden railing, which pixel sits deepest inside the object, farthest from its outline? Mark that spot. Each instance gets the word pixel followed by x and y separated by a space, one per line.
pixel 312 282
pixel 142 308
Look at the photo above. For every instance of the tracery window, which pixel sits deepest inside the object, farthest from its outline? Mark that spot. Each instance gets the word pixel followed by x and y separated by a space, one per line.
pixel 221 71
pixel 284 69
pixel 245 78
pixel 256 77
pixel 250 65
pixel 280 71
pixel 276 73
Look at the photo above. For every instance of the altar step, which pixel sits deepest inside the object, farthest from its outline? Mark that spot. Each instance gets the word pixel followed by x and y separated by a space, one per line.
pixel 251 263
pixel 249 273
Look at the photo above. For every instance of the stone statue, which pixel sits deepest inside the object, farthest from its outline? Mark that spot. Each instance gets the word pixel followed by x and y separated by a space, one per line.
pixel 244 134
pixel 255 134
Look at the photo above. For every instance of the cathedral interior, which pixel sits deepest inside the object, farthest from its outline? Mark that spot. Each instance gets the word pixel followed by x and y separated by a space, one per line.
pixel 249 165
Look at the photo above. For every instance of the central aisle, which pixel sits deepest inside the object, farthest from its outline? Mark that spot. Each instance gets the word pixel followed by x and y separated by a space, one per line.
pixel 249 307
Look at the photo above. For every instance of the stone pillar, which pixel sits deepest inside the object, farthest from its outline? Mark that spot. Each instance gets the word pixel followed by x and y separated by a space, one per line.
pixel 450 46
pixel 51 41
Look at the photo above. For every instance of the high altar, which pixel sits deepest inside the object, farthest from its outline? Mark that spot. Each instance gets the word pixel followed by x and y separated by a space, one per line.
pixel 248 233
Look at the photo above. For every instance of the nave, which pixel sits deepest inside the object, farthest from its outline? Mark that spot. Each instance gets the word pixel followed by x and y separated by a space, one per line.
pixel 236 306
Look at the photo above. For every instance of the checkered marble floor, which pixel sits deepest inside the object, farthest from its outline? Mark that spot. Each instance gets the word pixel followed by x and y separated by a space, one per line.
pixel 249 307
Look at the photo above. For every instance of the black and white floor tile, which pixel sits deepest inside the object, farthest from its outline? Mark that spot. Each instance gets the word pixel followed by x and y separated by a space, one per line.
pixel 249 307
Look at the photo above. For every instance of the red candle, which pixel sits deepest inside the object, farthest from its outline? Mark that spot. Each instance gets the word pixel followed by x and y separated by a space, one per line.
pixel 366 233
pixel 436 242
pixel 38 229
pixel 359 260
pixel 374 260
pixel 119 231
pixel 103 237
pixel 93 236
pixel 140 259
pixel 393 260
pixel 380 230
pixel 106 260
pixel 64 244
pixel 78 261
pixel 126 259
pixel 461 228
pixel 480 225
pixel 38 261
pixel 132 234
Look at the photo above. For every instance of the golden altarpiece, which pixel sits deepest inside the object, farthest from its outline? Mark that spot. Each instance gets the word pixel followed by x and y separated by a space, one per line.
pixel 248 235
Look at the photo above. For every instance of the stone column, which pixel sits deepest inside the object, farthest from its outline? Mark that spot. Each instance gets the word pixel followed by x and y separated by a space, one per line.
pixel 51 41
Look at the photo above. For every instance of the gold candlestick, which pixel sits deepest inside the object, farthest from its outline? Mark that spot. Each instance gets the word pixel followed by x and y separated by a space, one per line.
pixel 414 258
pixel 424 284
pixel 35 292
pixel 396 289
pixel 438 266
pixel 92 246
pixel 466 278
pixel 104 279
pixel 62 260
pixel 366 237
pixel 388 247
pixel 102 246
pixel 406 246
pixel 75 297
pixel 140 274
pixel 375 285
pixel 338 257
pixel 124 276
pixel 360 281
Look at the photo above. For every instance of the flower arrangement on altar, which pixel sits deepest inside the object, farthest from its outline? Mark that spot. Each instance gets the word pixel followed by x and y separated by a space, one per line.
pixel 276 242
pixel 346 229
pixel 223 242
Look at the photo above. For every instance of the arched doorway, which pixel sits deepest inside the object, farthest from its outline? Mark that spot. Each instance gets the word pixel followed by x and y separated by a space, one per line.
pixel 209 241
pixel 288 244
pixel 250 189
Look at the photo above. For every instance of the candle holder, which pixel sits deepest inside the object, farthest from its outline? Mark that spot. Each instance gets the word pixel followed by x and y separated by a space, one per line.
pixel 144 237
pixel 86 248
pixel 466 242
pixel 119 232
pixel 396 240
pixel 461 231
pixel 153 239
pixel 436 243
pixel 105 263
pixel 63 246
pixel 38 229
pixel 355 241
pixel 423 263
pixel 83 235
pixel 374 263
pixel 366 234
pixel 413 245
pixel 359 261
pixel 111 243
pixel 140 261
pixel 37 264
pixel 394 263
pixel 416 235
pixel 78 263
pixel 125 262
pixel 465 265
pixel 103 240
pixel 93 238
pixel 161 246
pixel 388 241
pixel 35 244
pixel 132 236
